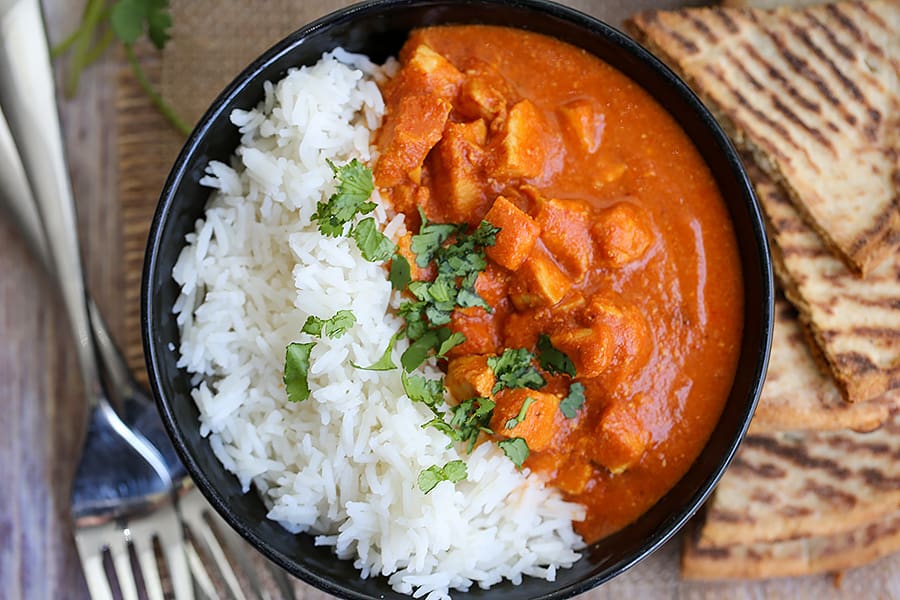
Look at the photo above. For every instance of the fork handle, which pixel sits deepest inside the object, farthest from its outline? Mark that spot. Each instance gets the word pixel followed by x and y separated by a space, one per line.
pixel 28 99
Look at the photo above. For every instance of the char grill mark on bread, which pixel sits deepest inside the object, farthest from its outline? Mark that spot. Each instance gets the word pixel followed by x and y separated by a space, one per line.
pixel 813 94
pixel 797 395
pixel 790 485
pixel 855 323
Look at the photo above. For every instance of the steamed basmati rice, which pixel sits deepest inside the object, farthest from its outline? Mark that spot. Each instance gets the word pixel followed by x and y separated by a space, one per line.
pixel 343 464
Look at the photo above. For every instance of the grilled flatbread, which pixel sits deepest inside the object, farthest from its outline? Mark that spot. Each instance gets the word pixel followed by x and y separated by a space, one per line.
pixel 855 323
pixel 788 485
pixel 813 94
pixel 804 556
pixel 797 395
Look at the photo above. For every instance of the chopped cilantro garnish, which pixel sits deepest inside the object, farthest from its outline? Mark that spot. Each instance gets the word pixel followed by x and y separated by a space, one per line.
pixel 414 315
pixel 454 471
pixel 511 424
pixel 573 401
pixel 334 327
pixel 513 369
pixel 516 449
pixel 374 245
pixel 456 338
pixel 429 392
pixel 430 238
pixel 400 274
pixel 552 360
pixel 296 370
pixel 418 351
pixel 355 185
pixel 385 363
pixel 470 418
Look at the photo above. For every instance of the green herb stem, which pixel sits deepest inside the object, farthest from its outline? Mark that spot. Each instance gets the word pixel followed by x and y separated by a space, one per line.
pixel 163 107
pixel 99 48
pixel 93 14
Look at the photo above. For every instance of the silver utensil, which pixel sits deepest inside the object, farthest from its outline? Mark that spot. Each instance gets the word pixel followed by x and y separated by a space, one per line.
pixel 122 497
pixel 217 556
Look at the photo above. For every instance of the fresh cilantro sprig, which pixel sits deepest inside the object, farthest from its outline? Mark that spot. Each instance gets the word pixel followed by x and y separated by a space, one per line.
pixel 296 370
pixel 454 472
pixel 514 369
pixel 574 400
pixel 334 327
pixel 106 21
pixel 516 449
pixel 355 186
pixel 552 360
pixel 523 412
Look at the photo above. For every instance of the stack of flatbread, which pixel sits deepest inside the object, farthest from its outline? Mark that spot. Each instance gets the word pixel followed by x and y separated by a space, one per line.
pixel 811 97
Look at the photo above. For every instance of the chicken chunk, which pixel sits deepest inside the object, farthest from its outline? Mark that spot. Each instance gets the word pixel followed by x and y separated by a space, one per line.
pixel 622 233
pixel 539 281
pixel 480 328
pixel 416 272
pixel 621 439
pixel 408 135
pixel 540 421
pixel 469 377
pixel 518 233
pixel 589 348
pixel 479 97
pixel 566 231
pixel 425 72
pixel 523 145
pixel 584 124
pixel 632 338
pixel 456 170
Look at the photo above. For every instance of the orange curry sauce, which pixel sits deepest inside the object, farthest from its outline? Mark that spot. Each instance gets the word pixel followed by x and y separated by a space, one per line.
pixel 614 242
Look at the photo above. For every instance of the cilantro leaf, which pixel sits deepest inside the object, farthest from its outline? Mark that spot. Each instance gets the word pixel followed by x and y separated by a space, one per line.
pixel 456 338
pixel 414 315
pixel 374 245
pixel 573 401
pixel 355 185
pixel 429 392
pixel 511 424
pixel 516 449
pixel 513 369
pixel 334 327
pixel 418 351
pixel 430 238
pixel 470 418
pixel 400 274
pixel 552 360
pixel 130 18
pixel 385 363
pixel 454 471
pixel 296 370
pixel 127 20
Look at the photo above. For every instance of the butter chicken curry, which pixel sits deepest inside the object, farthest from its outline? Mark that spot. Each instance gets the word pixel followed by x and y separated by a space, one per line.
pixel 604 329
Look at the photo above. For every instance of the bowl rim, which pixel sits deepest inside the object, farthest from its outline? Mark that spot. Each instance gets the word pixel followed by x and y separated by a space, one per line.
pixel 359 10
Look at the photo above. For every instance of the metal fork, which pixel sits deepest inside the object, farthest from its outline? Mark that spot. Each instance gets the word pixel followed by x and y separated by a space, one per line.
pixel 122 497
pixel 217 556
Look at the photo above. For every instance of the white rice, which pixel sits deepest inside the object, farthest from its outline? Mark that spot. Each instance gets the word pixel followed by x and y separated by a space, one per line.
pixel 343 464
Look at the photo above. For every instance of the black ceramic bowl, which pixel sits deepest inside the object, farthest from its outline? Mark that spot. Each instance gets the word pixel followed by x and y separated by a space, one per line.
pixel 379 29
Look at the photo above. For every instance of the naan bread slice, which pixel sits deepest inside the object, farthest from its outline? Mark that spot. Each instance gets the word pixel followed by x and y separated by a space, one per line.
pixel 803 556
pixel 854 322
pixel 797 395
pixel 814 95
pixel 787 485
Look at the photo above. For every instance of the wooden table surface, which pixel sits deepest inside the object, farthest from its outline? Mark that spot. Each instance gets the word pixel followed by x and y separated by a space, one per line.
pixel 41 408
